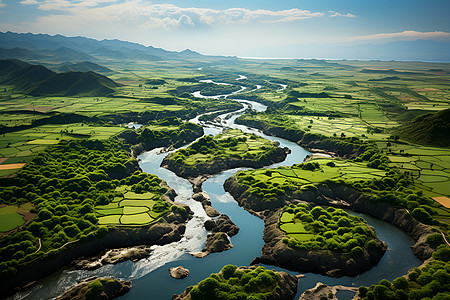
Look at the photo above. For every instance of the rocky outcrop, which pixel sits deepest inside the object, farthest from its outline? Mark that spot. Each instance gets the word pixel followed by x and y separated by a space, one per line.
pixel 219 238
pixel 179 272
pixel 222 224
pixel 321 291
pixel 97 288
pixel 341 196
pixel 219 164
pixel 287 287
pixel 206 203
pixel 334 264
pixel 112 256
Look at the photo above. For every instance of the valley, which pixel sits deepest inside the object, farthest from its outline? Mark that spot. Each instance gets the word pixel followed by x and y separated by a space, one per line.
pixel 335 165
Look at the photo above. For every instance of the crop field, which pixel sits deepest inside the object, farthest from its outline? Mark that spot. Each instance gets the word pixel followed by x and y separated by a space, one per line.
pixel 352 171
pixel 430 166
pixel 17 148
pixel 13 216
pixel 329 126
pixel 320 229
pixel 131 209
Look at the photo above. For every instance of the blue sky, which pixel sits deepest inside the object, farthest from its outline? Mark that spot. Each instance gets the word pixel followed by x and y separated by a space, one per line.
pixel 255 28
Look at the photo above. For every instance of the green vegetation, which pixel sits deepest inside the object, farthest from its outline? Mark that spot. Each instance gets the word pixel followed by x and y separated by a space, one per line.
pixel 237 283
pixel 36 80
pixel 271 185
pixel 133 208
pixel 231 143
pixel 170 131
pixel 430 281
pixel 76 186
pixel 325 229
pixel 429 129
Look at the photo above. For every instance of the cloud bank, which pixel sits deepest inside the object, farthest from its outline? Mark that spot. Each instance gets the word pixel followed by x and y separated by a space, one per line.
pixel 404 36
pixel 165 16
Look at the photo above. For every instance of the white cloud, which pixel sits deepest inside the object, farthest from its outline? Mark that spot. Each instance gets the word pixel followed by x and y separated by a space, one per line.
pixel 404 36
pixel 147 15
pixel 2 4
pixel 336 14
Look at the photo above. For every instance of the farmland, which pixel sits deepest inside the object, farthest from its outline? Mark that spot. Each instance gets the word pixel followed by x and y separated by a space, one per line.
pixel 132 208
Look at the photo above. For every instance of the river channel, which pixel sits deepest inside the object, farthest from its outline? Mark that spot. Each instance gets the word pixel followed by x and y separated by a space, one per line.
pixel 150 276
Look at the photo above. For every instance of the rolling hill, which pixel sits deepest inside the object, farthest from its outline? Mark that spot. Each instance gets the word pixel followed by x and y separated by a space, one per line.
pixel 75 84
pixel 429 129
pixel 37 80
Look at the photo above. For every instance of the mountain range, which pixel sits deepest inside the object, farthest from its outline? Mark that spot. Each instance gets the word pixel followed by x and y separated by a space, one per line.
pixel 58 48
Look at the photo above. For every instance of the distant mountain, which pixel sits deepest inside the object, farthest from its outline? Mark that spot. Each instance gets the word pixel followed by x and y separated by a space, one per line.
pixel 23 54
pixel 81 48
pixel 84 66
pixel 75 84
pixel 428 129
pixel 67 54
pixel 37 80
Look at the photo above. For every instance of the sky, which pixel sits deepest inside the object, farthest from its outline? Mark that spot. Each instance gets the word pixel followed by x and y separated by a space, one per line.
pixel 252 28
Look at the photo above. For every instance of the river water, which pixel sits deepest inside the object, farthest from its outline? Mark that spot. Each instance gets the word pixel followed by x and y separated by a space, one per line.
pixel 150 276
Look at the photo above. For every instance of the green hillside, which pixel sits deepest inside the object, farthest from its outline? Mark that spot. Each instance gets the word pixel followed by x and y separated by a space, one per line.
pixel 428 129
pixel 75 84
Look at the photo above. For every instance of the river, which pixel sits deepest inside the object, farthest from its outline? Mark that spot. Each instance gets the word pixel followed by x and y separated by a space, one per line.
pixel 150 276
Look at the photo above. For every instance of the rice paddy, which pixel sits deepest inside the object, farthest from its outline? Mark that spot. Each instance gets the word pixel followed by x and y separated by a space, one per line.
pixel 132 209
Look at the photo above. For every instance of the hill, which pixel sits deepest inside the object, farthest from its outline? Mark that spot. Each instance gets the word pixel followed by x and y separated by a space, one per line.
pixel 84 66
pixel 75 84
pixel 37 80
pixel 429 129
pixel 22 75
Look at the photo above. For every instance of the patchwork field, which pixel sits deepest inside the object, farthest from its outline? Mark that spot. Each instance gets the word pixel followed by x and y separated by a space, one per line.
pixel 298 176
pixel 132 209
pixel 17 148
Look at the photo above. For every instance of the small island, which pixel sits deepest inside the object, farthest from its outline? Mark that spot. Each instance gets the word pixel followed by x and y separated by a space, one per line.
pixel 253 282
pixel 231 149
pixel 327 241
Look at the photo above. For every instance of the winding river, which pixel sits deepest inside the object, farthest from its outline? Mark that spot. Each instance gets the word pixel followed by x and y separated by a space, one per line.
pixel 150 276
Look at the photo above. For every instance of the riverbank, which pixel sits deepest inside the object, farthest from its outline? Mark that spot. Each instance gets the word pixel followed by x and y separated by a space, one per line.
pixel 342 148
pixel 325 262
pixel 167 229
pixel 228 150
pixel 341 196
pixel 97 288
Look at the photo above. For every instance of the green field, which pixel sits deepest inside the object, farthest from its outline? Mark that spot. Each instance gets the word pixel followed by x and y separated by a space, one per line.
pixel 231 143
pixel 296 176
pixel 11 216
pixel 320 229
pixel 131 209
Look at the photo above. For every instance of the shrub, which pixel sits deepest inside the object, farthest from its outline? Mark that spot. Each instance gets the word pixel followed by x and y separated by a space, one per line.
pixel 95 288
pixel 422 215
pixel 228 271
pixel 442 253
